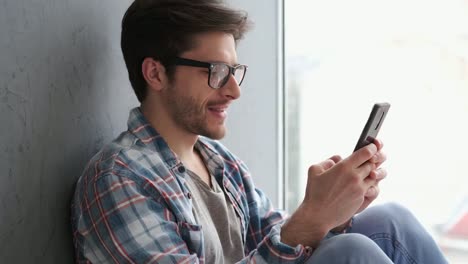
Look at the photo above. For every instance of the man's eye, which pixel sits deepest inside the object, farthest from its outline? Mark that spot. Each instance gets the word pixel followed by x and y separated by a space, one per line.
pixel 218 70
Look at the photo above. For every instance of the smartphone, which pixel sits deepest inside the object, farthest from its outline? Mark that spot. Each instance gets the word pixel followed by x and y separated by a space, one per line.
pixel 373 125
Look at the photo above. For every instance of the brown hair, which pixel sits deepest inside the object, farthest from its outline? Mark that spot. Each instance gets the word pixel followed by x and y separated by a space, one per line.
pixel 163 29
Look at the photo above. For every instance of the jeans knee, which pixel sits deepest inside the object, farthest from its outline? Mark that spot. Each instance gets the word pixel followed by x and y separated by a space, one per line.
pixel 393 219
pixel 352 242
pixel 348 248
pixel 396 210
pixel 393 213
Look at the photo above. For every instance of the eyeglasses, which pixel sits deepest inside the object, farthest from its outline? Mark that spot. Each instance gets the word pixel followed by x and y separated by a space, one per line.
pixel 219 73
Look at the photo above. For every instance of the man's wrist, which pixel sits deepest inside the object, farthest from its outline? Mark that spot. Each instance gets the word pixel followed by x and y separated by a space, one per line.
pixel 343 227
pixel 303 228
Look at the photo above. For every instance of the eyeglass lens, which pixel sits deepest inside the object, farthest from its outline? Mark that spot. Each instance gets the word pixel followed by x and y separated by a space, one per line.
pixel 220 75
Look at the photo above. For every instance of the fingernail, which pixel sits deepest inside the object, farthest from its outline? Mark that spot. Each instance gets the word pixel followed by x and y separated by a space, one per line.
pixel 370 191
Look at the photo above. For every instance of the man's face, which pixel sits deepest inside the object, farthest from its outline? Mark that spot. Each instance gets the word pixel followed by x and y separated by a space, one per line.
pixel 193 105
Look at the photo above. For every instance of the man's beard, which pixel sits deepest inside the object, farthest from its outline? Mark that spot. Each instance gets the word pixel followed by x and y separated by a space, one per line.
pixel 191 116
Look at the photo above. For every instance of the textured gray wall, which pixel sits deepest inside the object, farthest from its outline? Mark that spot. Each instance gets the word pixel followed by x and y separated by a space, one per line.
pixel 64 92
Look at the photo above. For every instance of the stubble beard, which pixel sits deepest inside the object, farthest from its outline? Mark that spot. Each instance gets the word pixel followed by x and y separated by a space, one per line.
pixel 192 117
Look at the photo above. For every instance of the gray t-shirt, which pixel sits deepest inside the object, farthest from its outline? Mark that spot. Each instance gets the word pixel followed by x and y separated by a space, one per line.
pixel 220 223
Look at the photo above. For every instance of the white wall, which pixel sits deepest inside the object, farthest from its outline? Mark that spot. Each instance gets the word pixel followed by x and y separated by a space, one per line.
pixel 255 122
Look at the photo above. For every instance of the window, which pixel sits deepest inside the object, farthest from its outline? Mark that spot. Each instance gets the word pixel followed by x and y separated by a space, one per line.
pixel 341 57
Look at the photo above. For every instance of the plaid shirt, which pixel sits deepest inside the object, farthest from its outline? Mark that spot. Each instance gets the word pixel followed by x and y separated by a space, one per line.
pixel 132 204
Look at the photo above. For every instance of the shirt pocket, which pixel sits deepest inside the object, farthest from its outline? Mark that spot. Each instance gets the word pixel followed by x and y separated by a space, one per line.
pixel 193 237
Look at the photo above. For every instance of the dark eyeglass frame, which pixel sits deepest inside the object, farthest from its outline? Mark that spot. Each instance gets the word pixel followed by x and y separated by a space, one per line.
pixel 210 66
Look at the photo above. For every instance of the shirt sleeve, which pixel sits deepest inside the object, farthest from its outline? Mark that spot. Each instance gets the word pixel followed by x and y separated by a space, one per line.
pixel 122 223
pixel 264 231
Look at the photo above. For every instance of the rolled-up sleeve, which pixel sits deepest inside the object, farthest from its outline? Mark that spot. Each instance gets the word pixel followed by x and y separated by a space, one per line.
pixel 267 223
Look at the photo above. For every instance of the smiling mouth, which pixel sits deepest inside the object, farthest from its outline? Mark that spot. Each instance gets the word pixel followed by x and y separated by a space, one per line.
pixel 218 109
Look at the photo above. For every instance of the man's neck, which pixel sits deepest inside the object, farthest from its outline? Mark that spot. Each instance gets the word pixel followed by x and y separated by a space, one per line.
pixel 180 141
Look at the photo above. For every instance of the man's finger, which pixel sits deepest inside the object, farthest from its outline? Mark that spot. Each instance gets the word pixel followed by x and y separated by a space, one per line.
pixel 362 155
pixel 372 192
pixel 378 143
pixel 365 169
pixel 327 164
pixel 321 167
pixel 379 158
pixel 336 158
pixel 378 174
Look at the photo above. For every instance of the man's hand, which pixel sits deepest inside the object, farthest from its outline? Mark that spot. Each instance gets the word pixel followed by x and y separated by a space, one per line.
pixel 377 175
pixel 336 190
pixel 373 192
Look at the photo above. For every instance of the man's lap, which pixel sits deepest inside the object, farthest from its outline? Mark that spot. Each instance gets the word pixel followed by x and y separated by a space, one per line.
pixel 378 234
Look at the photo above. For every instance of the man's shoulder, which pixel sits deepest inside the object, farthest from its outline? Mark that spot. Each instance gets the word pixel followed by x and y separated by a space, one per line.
pixel 104 159
pixel 124 156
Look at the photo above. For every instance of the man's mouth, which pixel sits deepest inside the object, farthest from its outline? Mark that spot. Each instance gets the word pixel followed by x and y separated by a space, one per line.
pixel 219 109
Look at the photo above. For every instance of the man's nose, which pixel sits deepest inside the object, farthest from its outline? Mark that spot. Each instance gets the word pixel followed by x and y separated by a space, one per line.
pixel 231 89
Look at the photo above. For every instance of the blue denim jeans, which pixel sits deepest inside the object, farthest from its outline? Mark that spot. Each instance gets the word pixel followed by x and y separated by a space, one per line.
pixel 381 234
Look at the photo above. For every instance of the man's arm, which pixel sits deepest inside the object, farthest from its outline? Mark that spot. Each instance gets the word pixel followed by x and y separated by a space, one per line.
pixel 263 240
pixel 264 235
pixel 122 223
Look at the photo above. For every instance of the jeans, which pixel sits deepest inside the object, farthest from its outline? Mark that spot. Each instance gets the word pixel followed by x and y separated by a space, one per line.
pixel 381 234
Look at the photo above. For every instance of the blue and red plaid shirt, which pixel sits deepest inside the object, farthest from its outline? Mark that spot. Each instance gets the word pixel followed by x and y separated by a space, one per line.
pixel 132 204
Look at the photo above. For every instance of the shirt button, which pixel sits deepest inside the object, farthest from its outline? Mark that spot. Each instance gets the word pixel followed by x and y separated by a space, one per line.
pixel 181 169
pixel 189 195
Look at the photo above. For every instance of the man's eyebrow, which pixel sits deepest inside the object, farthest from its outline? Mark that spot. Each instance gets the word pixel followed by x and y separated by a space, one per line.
pixel 224 62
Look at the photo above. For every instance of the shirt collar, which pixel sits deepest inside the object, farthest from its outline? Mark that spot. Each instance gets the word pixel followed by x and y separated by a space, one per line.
pixel 147 135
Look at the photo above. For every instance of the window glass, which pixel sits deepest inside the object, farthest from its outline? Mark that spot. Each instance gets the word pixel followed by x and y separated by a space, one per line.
pixel 341 57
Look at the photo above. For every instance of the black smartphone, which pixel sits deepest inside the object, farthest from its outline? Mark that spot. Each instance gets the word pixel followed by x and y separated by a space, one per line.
pixel 373 125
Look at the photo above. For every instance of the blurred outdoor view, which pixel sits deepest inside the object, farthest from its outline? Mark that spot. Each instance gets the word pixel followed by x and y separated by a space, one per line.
pixel 341 57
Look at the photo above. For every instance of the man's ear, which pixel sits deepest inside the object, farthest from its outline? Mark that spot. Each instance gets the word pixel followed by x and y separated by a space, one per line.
pixel 154 73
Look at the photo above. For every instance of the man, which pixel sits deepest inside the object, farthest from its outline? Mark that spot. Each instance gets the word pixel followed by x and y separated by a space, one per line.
pixel 165 191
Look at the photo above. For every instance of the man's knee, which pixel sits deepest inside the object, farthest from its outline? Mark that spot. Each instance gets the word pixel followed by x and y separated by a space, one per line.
pixel 348 248
pixel 392 217
pixel 393 211
pixel 398 221
pixel 350 242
